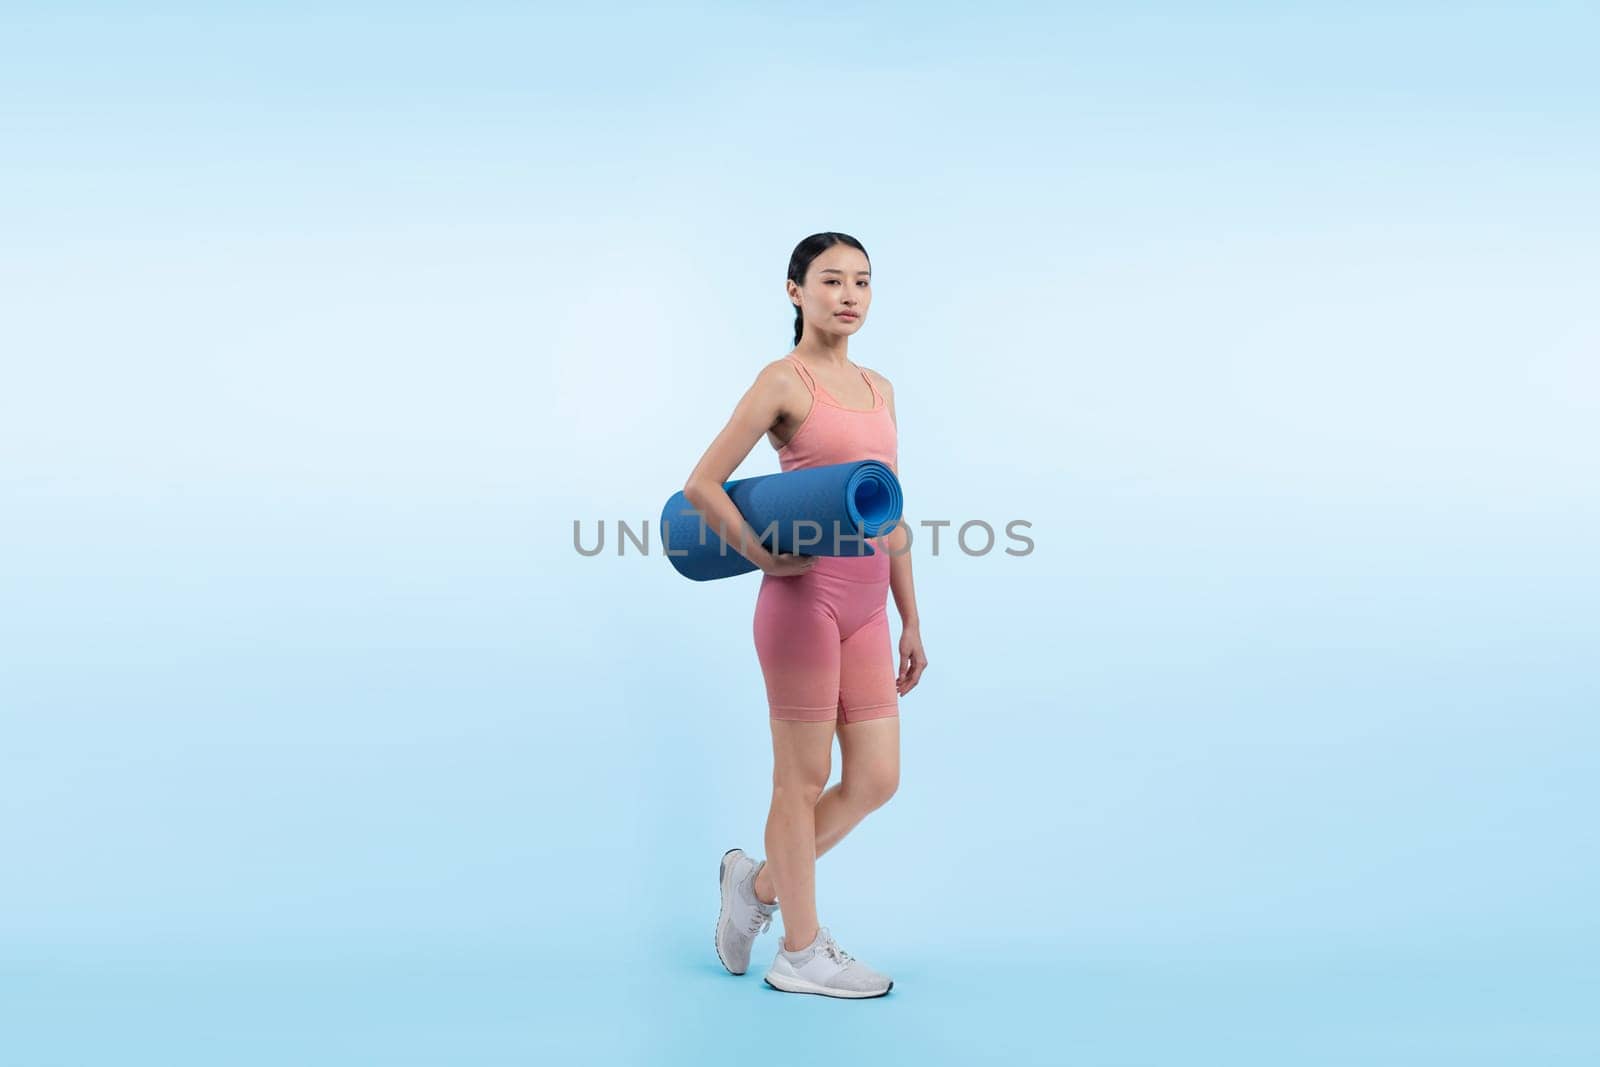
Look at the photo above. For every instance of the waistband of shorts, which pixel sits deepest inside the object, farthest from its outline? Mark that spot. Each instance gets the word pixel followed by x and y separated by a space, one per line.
pixel 866 570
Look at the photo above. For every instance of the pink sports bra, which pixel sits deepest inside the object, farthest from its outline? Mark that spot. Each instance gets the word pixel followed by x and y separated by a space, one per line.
pixel 833 433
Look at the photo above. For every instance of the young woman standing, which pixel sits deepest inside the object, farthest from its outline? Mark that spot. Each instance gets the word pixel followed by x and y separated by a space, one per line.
pixel 821 626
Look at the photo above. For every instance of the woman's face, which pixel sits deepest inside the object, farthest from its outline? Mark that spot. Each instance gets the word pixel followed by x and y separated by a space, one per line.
pixel 837 291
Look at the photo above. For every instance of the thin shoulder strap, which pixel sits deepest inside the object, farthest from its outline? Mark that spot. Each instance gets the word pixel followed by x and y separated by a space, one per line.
pixel 870 386
pixel 805 374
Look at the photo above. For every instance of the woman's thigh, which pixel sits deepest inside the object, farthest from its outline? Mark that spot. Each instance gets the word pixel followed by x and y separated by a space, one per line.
pixel 802 754
pixel 870 757
pixel 797 641
pixel 867 684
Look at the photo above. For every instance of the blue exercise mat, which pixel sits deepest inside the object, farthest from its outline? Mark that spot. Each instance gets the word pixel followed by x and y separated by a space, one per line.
pixel 799 511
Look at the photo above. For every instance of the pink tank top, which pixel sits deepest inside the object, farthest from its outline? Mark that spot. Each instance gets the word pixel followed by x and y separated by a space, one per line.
pixel 833 433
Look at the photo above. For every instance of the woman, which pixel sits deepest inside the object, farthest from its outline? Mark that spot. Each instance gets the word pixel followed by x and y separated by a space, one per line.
pixel 821 626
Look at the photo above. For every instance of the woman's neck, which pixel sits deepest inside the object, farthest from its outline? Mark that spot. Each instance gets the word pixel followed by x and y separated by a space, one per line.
pixel 833 351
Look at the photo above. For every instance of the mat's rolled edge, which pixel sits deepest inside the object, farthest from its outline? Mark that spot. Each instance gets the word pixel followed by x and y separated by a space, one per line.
pixel 698 567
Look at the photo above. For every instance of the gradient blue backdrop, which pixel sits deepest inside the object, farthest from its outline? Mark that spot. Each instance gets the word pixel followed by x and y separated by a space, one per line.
pixel 321 326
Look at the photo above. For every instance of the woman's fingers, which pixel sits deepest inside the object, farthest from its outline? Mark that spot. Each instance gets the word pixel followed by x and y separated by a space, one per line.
pixel 917 664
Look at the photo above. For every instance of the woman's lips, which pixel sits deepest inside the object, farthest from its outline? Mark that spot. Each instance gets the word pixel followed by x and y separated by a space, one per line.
pixel 847 315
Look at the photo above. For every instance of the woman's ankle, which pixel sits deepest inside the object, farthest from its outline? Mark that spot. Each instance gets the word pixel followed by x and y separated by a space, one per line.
pixel 755 885
pixel 802 944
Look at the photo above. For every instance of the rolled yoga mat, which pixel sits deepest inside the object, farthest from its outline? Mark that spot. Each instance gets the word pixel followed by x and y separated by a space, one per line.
pixel 797 511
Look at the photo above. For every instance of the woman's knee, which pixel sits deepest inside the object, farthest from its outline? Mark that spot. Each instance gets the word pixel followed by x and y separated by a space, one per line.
pixel 802 759
pixel 872 788
pixel 799 788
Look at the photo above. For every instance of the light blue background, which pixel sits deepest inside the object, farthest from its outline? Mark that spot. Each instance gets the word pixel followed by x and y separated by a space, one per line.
pixel 320 328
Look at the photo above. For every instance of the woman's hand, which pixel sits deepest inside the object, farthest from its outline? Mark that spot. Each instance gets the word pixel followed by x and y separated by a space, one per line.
pixel 912 659
pixel 784 565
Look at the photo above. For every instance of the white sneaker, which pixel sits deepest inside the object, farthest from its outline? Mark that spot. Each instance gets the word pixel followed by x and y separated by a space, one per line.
pixel 743 915
pixel 823 967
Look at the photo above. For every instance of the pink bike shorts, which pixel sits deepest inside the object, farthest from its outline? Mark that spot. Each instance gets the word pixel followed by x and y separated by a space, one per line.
pixel 823 641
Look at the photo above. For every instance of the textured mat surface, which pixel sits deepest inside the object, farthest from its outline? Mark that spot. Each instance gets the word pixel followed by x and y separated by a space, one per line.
pixel 818 511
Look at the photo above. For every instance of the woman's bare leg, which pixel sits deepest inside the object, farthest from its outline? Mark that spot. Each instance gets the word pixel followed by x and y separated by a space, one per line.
pixel 871 773
pixel 802 754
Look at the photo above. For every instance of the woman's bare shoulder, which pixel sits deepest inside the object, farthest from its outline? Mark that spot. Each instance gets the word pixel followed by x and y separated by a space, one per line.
pixel 777 376
pixel 880 381
pixel 778 389
pixel 775 367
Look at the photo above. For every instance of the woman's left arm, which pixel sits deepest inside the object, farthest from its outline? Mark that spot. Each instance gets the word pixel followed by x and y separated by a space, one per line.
pixel 912 658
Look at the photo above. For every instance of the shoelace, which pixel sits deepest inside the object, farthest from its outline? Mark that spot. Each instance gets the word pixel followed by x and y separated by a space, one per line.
pixel 760 917
pixel 831 947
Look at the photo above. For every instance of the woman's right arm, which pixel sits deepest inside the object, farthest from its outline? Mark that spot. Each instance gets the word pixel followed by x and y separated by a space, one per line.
pixel 774 392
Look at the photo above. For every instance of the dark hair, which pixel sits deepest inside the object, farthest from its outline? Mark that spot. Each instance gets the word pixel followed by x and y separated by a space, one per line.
pixel 800 262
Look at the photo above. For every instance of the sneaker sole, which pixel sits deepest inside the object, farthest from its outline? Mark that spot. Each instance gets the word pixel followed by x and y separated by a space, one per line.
pixel 785 984
pixel 722 889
